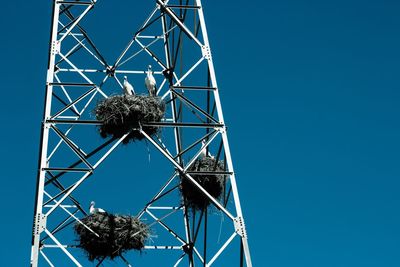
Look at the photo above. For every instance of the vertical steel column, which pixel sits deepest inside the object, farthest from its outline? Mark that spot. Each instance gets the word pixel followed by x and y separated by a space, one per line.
pixel 177 131
pixel 224 134
pixel 39 223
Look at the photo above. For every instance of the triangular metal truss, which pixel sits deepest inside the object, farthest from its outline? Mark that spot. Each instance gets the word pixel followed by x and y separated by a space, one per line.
pixel 174 38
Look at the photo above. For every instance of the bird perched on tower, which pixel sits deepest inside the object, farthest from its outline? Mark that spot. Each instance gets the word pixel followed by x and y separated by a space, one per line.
pixel 128 88
pixel 150 82
pixel 203 152
pixel 93 210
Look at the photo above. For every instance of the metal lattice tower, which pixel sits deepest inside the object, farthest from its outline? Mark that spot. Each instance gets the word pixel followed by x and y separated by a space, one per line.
pixel 78 76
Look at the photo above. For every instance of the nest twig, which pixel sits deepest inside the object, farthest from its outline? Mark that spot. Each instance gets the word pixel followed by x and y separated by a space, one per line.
pixel 116 235
pixel 212 183
pixel 122 113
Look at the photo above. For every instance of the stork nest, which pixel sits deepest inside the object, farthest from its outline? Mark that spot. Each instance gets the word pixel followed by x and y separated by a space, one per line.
pixel 122 113
pixel 116 235
pixel 213 183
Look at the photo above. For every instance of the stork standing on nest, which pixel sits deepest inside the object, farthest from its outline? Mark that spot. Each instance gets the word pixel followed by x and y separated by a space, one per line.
pixel 150 82
pixel 128 88
pixel 203 152
pixel 93 210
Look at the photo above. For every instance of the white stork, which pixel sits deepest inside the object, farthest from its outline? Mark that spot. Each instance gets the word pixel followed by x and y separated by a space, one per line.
pixel 128 88
pixel 93 210
pixel 203 152
pixel 150 82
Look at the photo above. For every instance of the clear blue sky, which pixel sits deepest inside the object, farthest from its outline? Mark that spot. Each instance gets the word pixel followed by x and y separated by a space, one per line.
pixel 310 92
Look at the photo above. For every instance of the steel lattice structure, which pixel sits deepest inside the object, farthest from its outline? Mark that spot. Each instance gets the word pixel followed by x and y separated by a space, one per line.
pixel 78 75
